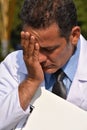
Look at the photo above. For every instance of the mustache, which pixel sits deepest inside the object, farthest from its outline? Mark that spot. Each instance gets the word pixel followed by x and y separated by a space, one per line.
pixel 47 66
pixel 44 64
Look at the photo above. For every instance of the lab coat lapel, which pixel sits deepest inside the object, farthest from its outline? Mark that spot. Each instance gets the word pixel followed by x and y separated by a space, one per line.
pixel 78 90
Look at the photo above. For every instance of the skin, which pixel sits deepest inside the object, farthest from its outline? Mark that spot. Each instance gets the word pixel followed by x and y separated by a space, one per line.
pixel 44 51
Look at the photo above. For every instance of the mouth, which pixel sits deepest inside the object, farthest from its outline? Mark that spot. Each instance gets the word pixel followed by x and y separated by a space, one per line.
pixel 48 67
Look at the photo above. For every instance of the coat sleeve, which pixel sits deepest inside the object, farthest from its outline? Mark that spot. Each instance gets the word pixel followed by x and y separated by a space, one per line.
pixel 10 110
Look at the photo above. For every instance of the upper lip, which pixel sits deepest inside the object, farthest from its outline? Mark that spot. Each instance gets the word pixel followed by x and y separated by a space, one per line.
pixel 47 66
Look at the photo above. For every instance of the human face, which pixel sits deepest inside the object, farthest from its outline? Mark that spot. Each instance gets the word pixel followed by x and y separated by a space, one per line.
pixel 54 50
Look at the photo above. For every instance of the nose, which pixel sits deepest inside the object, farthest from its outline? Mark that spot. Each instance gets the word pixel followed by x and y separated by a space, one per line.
pixel 42 57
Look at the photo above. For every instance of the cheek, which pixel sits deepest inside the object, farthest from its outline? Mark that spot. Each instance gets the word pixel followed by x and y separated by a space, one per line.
pixel 60 57
pixel 63 56
pixel 54 58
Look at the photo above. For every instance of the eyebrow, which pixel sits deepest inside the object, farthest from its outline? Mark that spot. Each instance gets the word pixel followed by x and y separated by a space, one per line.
pixel 50 47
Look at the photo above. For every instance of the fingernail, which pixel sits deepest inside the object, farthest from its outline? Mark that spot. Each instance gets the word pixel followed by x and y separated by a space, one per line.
pixel 32 37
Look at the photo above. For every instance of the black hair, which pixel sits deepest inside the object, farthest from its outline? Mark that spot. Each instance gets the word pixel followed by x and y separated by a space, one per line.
pixel 42 13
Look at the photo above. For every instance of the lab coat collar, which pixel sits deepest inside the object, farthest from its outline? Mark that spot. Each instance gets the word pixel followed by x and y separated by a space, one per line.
pixel 82 63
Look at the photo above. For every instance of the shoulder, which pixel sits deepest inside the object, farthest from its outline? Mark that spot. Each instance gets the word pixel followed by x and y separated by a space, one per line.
pixel 14 57
pixel 13 60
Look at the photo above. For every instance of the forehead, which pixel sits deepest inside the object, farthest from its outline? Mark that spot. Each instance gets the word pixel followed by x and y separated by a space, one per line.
pixel 45 35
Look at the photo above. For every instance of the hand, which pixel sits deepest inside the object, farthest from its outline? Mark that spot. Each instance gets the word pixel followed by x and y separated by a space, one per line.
pixel 31 57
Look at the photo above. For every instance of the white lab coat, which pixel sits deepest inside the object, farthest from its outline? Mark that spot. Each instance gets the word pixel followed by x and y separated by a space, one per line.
pixel 78 91
pixel 13 71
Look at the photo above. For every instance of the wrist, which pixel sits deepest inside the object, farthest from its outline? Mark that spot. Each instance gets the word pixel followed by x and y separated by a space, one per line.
pixel 27 90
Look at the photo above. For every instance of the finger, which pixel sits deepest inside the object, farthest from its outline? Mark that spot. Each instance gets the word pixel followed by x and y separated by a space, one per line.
pixel 36 51
pixel 22 38
pixel 25 42
pixel 31 45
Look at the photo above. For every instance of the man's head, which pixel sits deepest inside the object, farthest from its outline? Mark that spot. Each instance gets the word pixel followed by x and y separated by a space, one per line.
pixel 42 13
pixel 54 24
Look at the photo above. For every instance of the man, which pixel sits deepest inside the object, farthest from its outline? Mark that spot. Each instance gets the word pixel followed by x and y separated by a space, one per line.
pixel 51 41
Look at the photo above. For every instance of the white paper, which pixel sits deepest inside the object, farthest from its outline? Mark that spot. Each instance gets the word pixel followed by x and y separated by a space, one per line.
pixel 54 113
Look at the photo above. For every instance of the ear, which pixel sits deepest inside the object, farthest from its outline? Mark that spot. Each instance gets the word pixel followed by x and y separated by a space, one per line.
pixel 75 34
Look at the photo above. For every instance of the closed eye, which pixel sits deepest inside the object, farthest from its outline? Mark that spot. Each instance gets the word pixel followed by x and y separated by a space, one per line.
pixel 48 49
